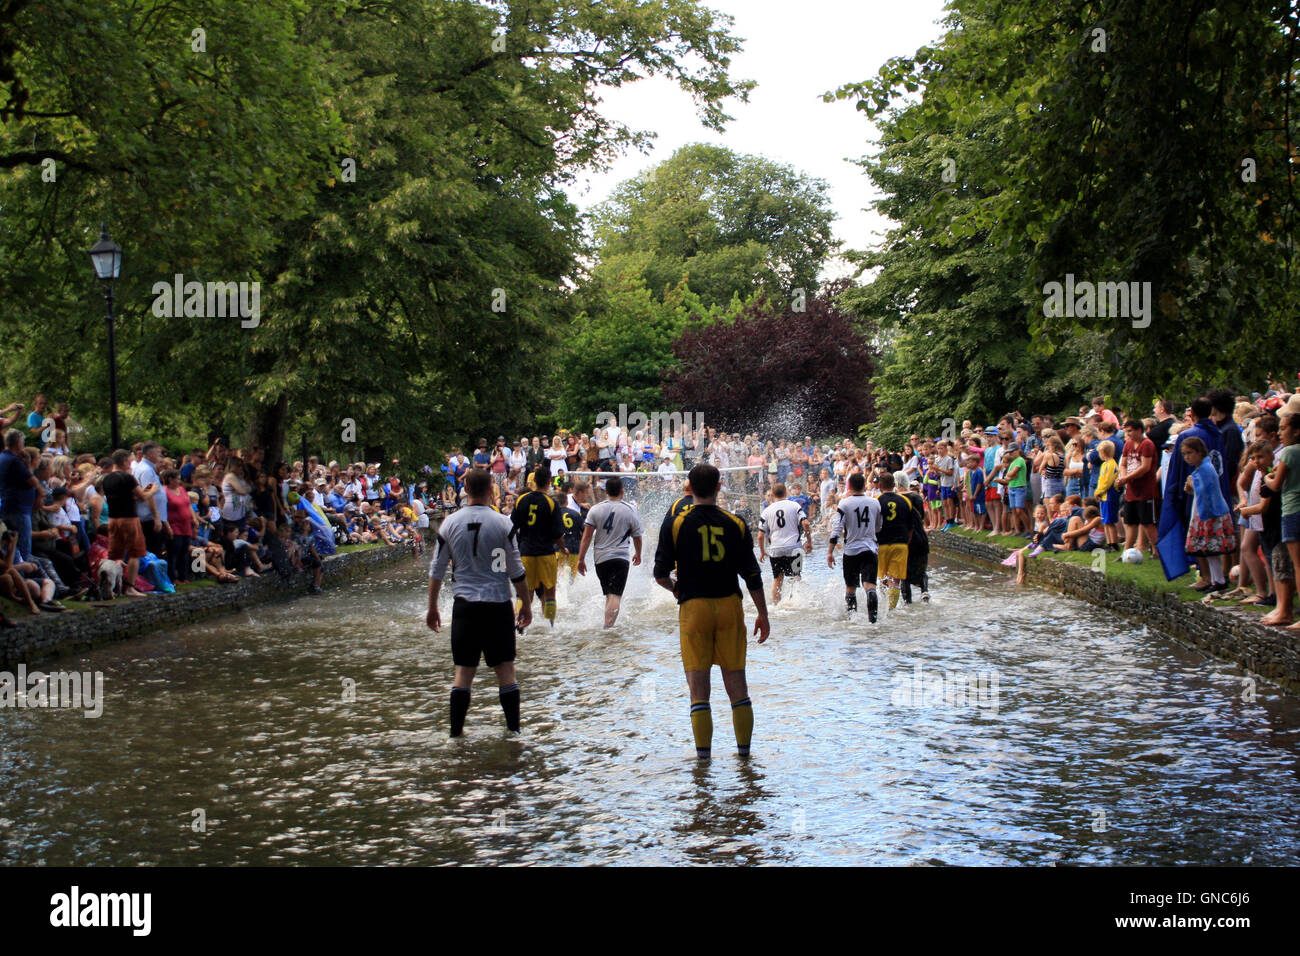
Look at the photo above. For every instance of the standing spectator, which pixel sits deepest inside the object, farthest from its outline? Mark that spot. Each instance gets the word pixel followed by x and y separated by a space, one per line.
pixel 518 459
pixel 180 519
pixel 1285 482
pixel 482 457
pixel 1159 433
pixel 125 533
pixel 498 462
pixel 236 496
pixel 153 516
pixel 36 422
pixel 1176 511
pixel 18 489
pixel 1211 533
pixel 1138 482
pixel 558 458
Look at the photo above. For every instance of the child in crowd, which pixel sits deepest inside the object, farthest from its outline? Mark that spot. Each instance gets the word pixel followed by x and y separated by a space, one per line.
pixel 975 491
pixel 1035 547
pixel 1109 496
pixel 302 549
pixel 1259 462
pixel 1211 533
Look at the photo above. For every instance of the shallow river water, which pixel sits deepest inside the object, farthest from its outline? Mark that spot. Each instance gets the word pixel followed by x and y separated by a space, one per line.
pixel 993 725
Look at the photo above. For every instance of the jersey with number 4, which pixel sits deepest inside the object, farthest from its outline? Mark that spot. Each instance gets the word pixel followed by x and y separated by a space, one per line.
pixel 856 520
pixel 614 524
pixel 479 541
pixel 779 523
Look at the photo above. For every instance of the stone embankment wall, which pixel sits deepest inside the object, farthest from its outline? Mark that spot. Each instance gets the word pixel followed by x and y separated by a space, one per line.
pixel 51 635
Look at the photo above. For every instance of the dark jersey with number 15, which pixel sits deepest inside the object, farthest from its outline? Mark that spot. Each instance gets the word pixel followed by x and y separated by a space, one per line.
pixel 709 547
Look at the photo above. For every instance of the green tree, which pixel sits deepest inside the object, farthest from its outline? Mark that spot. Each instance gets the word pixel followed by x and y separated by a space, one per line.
pixel 726 224
pixel 1118 133
pixel 392 174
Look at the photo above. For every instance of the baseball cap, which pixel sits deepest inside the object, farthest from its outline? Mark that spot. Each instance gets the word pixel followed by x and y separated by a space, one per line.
pixel 991 430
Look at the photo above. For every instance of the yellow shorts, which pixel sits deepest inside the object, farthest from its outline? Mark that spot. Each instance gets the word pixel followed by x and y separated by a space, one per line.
pixel 893 561
pixel 712 632
pixel 540 571
pixel 572 561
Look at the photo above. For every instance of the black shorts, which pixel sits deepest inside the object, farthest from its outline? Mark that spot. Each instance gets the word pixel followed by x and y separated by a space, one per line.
pixel 613 575
pixel 860 568
pixel 789 566
pixel 1140 512
pixel 482 628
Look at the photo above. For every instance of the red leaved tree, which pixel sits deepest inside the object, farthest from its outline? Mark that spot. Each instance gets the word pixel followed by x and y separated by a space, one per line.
pixel 780 372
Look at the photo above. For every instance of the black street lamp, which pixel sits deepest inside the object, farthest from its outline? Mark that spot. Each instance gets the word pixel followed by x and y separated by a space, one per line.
pixel 106 257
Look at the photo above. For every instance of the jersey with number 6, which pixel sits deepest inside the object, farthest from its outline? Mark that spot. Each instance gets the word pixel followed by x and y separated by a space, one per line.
pixel 780 523
pixel 479 541
pixel 856 520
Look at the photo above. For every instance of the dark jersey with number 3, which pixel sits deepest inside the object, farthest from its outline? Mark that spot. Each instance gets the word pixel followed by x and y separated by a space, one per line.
pixel 895 519
pixel 538 523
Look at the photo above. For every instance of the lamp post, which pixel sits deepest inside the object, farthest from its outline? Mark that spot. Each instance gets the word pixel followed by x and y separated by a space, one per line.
pixel 106 257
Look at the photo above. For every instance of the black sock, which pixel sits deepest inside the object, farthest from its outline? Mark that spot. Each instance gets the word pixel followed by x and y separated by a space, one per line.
pixel 872 604
pixel 459 708
pixel 510 705
pixel 907 592
pixel 851 601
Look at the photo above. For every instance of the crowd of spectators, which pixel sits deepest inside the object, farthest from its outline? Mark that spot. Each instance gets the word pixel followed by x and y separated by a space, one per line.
pixel 141 521
pixel 1214 484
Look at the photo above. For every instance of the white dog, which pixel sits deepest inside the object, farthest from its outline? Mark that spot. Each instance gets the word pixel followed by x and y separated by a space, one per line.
pixel 110 579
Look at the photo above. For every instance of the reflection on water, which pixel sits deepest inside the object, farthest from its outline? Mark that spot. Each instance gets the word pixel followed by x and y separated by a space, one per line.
pixel 1099 743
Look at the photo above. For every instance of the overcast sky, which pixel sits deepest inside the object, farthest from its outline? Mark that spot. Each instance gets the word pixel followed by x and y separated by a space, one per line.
pixel 796 50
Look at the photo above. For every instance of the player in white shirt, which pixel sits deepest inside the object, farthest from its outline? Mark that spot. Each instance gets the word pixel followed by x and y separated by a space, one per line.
pixel 779 528
pixel 857 519
pixel 478 539
pixel 609 527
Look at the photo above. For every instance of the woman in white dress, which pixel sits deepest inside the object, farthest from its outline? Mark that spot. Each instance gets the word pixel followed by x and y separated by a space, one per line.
pixel 556 455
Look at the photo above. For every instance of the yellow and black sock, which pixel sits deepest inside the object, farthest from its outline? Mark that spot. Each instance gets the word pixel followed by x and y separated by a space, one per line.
pixel 702 726
pixel 893 596
pixel 742 719
pixel 548 609
pixel 459 708
pixel 510 705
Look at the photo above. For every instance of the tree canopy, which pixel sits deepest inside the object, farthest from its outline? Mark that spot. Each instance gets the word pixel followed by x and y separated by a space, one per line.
pixel 391 174
pixel 726 224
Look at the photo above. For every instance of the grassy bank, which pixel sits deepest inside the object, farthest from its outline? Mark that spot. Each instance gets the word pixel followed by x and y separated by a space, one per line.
pixel 1149 575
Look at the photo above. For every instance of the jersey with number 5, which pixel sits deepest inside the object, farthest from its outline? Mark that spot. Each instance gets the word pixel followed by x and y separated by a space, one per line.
pixel 857 518
pixel 538 523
